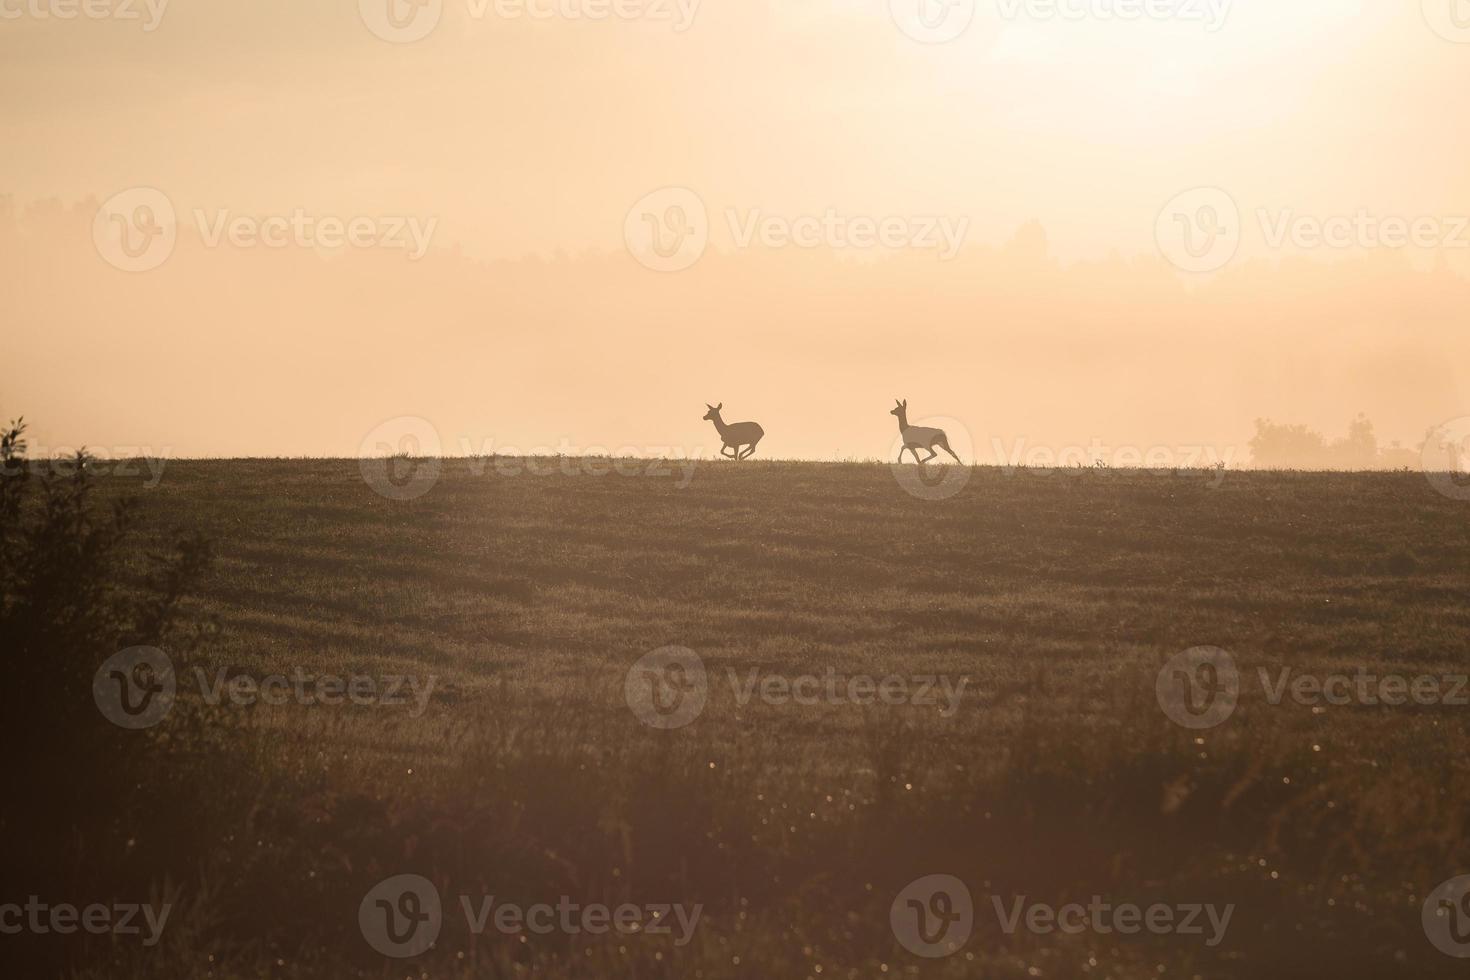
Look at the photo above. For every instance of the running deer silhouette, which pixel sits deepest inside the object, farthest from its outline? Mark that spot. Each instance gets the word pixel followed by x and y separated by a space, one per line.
pixel 734 434
pixel 916 437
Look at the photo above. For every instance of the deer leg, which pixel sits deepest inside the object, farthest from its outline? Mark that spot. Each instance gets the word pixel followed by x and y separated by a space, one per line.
pixel 932 454
pixel 735 454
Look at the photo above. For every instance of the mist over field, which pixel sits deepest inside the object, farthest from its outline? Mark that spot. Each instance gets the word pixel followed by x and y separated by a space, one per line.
pixel 593 352
pixel 734 490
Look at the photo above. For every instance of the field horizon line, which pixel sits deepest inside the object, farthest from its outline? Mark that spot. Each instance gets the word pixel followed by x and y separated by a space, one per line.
pixel 763 462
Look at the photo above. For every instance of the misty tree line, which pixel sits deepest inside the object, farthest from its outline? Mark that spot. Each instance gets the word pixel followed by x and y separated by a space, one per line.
pixel 1283 446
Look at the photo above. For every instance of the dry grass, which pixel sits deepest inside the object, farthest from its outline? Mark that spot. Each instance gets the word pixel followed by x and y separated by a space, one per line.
pixel 1056 597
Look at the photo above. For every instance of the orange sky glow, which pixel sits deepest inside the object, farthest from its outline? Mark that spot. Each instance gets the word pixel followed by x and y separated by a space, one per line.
pixel 567 225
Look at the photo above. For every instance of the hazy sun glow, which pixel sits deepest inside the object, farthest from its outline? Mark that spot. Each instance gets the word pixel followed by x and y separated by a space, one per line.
pixel 1056 140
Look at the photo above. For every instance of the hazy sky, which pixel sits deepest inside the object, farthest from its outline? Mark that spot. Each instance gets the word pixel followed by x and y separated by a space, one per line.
pixel 1028 172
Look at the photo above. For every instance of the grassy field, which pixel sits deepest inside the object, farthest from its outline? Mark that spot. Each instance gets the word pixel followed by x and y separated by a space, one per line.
pixel 1040 608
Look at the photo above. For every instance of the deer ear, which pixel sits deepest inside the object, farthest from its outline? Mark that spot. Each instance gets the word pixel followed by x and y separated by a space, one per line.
pixel 719 406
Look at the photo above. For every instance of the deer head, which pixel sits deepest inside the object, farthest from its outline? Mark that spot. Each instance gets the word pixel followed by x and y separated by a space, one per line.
pixel 900 408
pixel 714 411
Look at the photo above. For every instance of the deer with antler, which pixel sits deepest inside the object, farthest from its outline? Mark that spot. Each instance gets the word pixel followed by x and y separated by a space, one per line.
pixel 916 437
pixel 734 434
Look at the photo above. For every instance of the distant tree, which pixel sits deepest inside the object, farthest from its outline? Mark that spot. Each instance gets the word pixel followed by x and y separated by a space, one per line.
pixel 1396 457
pixel 1296 446
pixel 1359 450
pixel 1282 446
